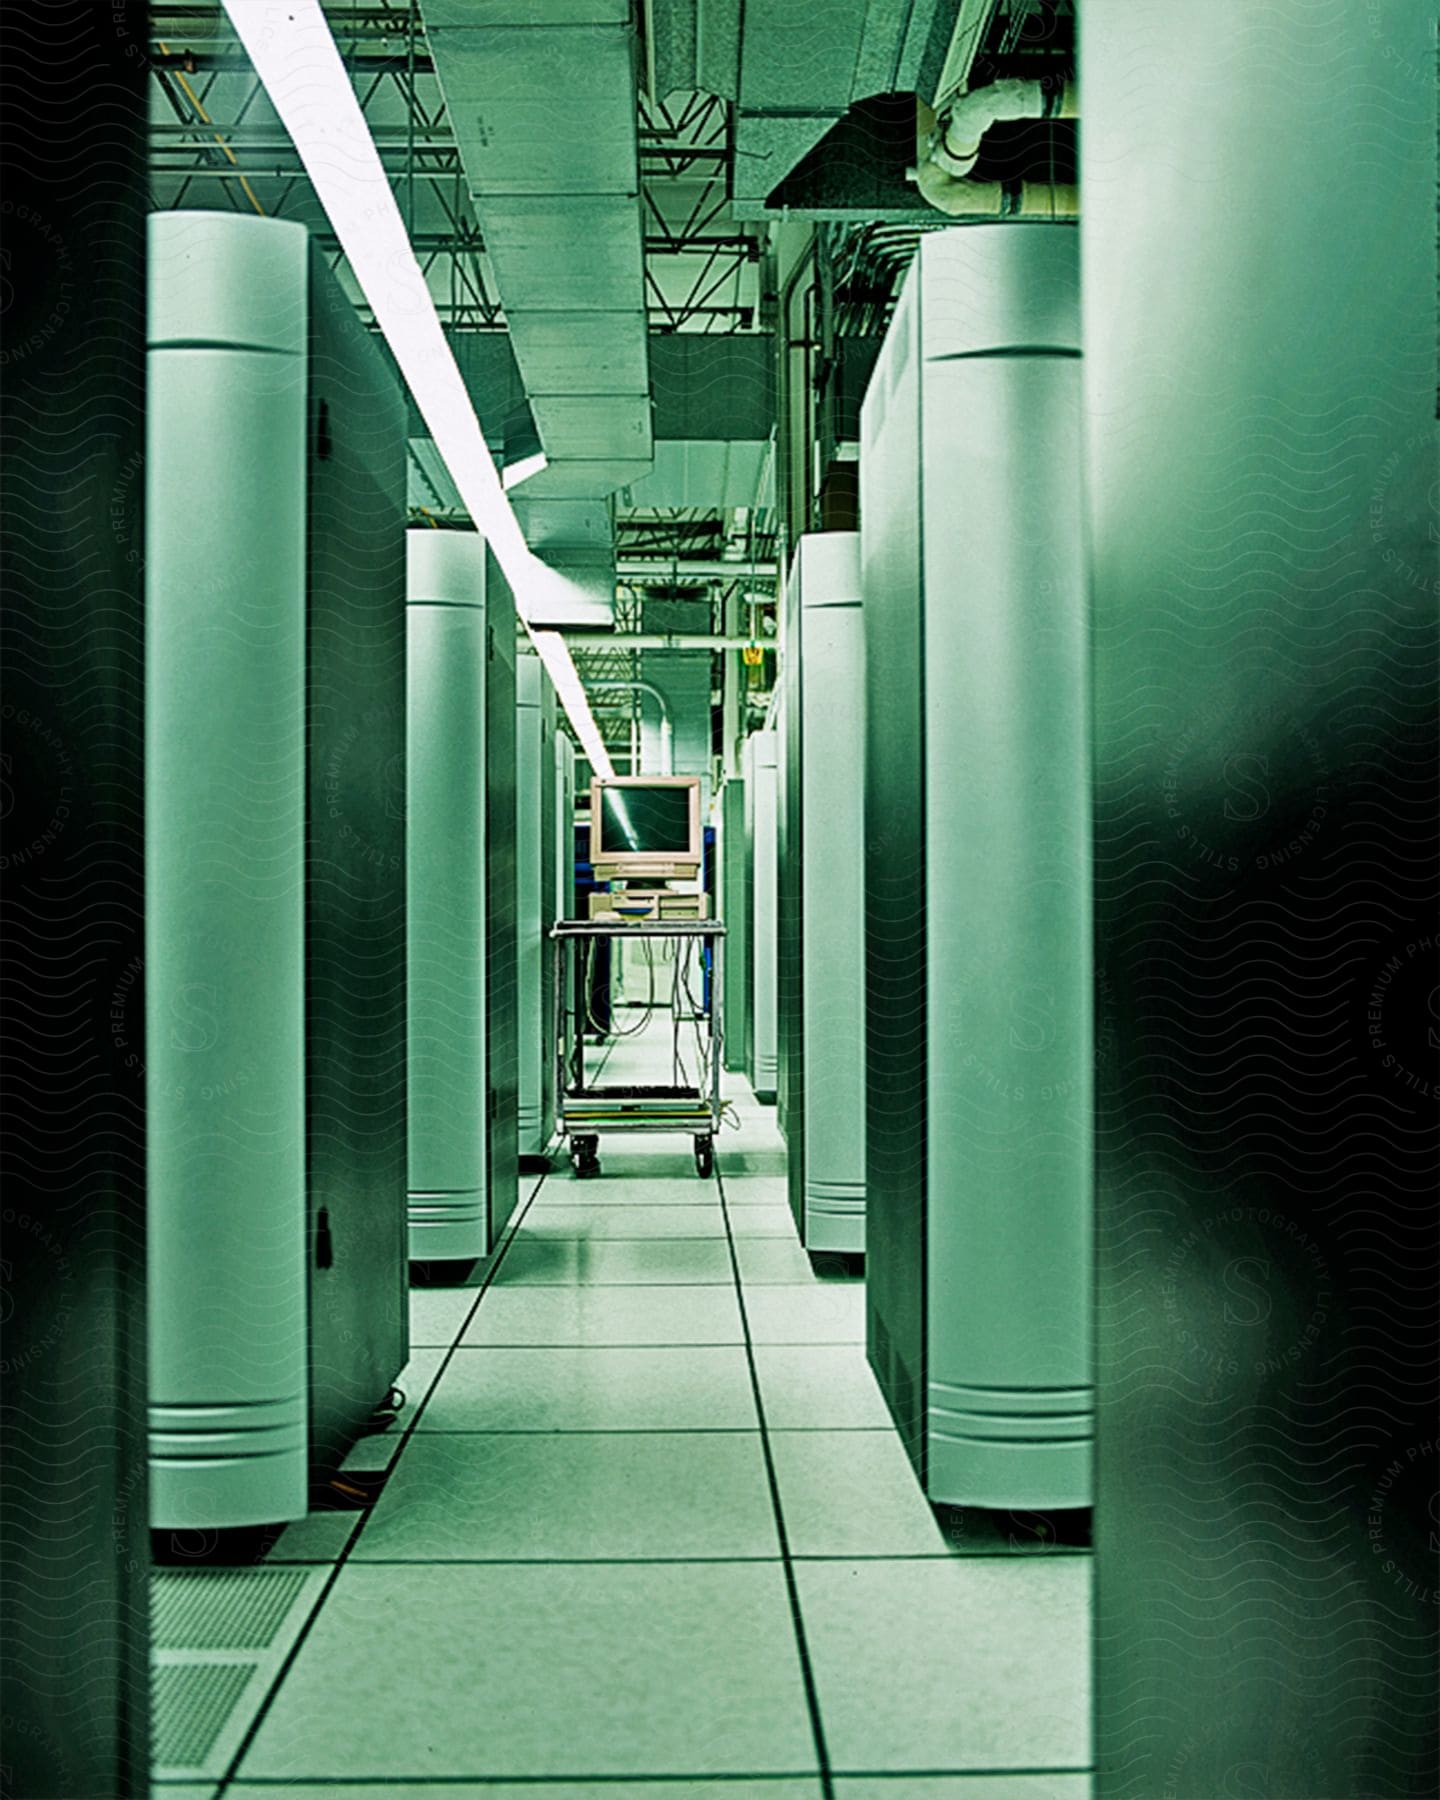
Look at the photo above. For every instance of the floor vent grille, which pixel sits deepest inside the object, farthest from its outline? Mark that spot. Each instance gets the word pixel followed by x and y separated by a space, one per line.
pixel 193 1703
pixel 223 1609
pixel 219 1639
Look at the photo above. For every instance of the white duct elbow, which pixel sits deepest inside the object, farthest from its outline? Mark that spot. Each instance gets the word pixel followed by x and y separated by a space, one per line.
pixel 954 195
pixel 962 124
pixel 950 142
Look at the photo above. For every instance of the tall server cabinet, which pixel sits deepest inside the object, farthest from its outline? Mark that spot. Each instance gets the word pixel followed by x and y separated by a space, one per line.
pixel 759 759
pixel 502 1027
pixel 450 1218
pixel 275 839
pixel 355 974
pixel 735 962
pixel 821 982
pixel 978 962
pixel 562 858
pixel 535 890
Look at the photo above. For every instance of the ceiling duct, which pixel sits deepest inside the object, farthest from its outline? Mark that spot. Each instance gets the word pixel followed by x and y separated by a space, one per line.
pixel 541 96
pixel 578 537
pixel 794 69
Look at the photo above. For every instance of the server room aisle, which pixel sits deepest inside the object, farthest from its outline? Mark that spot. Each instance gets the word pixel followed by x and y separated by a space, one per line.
pixel 647 1527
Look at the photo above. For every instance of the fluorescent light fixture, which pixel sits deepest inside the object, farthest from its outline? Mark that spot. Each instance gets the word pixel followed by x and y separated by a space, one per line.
pixel 514 473
pixel 555 654
pixel 293 53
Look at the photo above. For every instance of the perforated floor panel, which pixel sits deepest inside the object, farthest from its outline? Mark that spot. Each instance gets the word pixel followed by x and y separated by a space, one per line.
pixel 192 1704
pixel 222 1609
pixel 219 1637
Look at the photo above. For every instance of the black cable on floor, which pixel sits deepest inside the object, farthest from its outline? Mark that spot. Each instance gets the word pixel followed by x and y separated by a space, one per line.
pixel 807 1672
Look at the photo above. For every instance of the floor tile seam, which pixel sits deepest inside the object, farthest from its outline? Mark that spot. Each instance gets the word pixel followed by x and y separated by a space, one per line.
pixel 967 1774
pixel 792 1587
pixel 695 1237
pixel 750 1282
pixel 486 1779
pixel 686 1344
pixel 383 1783
pixel 952 1556
pixel 665 1286
pixel 797 1556
pixel 757 1561
pixel 449 1431
pixel 684 1189
pixel 840 1558
pixel 614 1430
pixel 643 1237
pixel 651 1237
pixel 696 1191
pixel 693 1190
pixel 678 1344
pixel 467 1431
pixel 569 1286
pixel 268 1699
pixel 639 1344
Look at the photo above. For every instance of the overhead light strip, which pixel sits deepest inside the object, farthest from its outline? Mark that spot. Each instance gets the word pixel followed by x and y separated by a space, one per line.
pixel 290 45
pixel 514 473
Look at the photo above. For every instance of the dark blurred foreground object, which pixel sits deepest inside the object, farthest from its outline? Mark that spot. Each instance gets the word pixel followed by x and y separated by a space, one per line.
pixel 73 1541
pixel 1260 374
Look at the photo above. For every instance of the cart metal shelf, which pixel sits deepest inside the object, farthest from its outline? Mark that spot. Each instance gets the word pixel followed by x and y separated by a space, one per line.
pixel 585 1111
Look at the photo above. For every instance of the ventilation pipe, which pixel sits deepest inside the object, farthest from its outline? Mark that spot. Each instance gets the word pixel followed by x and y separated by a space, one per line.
pixel 663 640
pixel 962 121
pixel 949 139
pixel 667 737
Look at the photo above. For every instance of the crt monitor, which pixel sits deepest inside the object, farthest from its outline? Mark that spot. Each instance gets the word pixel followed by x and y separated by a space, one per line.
pixel 646 825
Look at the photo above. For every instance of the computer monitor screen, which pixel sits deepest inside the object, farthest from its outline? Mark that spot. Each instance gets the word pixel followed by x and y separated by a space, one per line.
pixel 646 821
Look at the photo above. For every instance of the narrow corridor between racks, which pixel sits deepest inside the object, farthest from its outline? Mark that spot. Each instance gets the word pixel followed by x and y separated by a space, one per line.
pixel 647 1525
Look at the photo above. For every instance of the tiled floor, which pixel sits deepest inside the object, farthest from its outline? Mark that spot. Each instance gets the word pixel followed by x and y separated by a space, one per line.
pixel 648 1531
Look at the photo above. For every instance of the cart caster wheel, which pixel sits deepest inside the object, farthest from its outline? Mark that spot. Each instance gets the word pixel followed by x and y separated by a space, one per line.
pixel 586 1167
pixel 584 1158
pixel 705 1157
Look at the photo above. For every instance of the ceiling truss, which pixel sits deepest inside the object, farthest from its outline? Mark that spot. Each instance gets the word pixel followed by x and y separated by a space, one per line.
pixel 215 142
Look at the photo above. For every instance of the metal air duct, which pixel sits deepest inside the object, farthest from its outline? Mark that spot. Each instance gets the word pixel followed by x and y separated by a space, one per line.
pixel 542 101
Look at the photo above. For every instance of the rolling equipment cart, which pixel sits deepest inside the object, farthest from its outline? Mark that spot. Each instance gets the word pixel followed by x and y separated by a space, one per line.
pixel 587 1109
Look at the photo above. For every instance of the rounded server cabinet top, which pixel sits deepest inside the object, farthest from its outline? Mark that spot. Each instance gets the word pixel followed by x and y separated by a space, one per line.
pixel 227 281
pixel 444 568
pixel 529 688
pixel 828 565
pixel 1000 287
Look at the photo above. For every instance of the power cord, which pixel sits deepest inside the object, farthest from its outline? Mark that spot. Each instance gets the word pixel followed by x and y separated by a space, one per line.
pixel 632 1031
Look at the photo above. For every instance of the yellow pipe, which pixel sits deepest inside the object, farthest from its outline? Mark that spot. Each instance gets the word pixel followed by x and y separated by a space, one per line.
pixel 194 100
